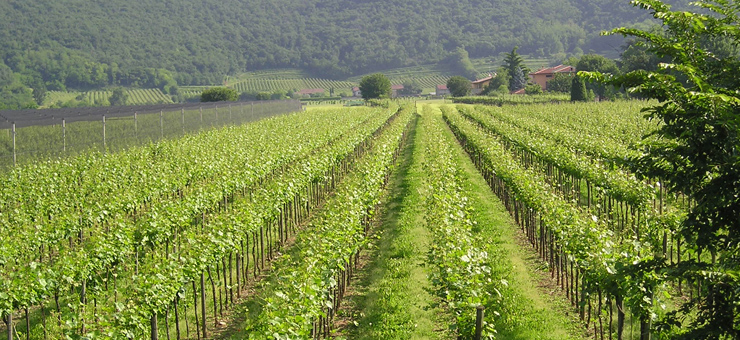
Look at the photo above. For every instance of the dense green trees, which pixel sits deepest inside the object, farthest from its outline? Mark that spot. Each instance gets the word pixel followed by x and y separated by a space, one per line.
pixel 561 82
pixel 118 97
pixel 6 75
pixel 219 94
pixel 459 63
pixel 459 86
pixel 16 96
pixel 112 43
pixel 598 63
pixel 375 86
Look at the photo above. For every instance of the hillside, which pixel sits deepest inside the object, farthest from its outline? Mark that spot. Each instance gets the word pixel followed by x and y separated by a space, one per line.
pixel 202 40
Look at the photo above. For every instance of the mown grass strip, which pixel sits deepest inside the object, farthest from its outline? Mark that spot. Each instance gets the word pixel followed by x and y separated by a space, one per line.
pixel 393 299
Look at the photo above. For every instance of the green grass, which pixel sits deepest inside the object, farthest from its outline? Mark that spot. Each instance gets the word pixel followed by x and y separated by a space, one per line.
pixel 394 300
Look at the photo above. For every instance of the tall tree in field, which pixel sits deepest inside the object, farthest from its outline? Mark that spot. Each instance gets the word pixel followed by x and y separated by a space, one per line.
pixel 459 86
pixel 518 80
pixel 375 86
pixel 512 62
pixel 578 92
pixel 695 152
pixel 219 94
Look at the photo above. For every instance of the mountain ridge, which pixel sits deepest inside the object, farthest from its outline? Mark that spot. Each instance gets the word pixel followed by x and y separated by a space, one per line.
pixel 201 41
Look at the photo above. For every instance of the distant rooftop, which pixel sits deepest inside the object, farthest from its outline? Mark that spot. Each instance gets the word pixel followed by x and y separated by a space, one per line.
pixel 556 69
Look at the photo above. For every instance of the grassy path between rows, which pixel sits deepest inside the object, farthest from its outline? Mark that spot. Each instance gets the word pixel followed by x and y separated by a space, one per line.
pixel 392 298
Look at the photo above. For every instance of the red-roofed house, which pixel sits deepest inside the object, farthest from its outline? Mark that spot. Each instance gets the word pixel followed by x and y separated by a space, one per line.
pixel 395 89
pixel 519 91
pixel 356 92
pixel 541 77
pixel 480 84
pixel 308 92
pixel 442 90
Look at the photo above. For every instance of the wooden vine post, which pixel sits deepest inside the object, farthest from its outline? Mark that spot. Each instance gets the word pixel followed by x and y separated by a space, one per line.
pixel 14 156
pixel 155 330
pixel 479 322
pixel 64 135
pixel 104 144
pixel 9 320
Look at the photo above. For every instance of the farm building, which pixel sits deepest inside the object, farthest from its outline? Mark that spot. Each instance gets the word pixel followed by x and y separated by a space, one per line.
pixel 442 90
pixel 480 84
pixel 541 77
pixel 395 89
pixel 356 92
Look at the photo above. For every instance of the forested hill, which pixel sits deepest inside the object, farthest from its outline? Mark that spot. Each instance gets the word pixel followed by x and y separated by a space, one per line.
pixel 199 41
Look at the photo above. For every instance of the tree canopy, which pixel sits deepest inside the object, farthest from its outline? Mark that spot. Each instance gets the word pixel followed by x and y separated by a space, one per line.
pixel 459 86
pixel 597 63
pixel 514 65
pixel 219 94
pixel 695 153
pixel 118 97
pixel 375 86
pixel 560 82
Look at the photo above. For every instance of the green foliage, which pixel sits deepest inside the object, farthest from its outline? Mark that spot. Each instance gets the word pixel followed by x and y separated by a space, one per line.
pixel 375 86
pixel 200 41
pixel 410 88
pixel 513 99
pixel 597 63
pixel 578 91
pixel 533 89
pixel 637 56
pixel 514 65
pixel 459 86
pixel 219 94
pixel 118 97
pixel 263 96
pixel 459 63
pixel 6 75
pixel 695 153
pixel 499 83
pixel 17 96
pixel 518 80
pixel 561 83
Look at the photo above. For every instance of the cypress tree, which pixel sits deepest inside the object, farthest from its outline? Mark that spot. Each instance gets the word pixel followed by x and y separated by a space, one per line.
pixel 578 90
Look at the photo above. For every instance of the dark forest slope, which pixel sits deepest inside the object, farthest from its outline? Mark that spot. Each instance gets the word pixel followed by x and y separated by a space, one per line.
pixel 200 40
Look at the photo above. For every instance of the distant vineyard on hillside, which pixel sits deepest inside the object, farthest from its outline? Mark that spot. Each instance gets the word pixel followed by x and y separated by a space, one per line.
pixel 426 82
pixel 258 85
pixel 100 98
